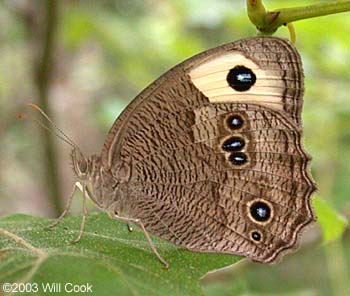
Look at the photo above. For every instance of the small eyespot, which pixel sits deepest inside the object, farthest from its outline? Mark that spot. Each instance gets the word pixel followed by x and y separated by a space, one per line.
pixel 260 211
pixel 235 122
pixel 256 236
pixel 241 78
pixel 238 158
pixel 233 144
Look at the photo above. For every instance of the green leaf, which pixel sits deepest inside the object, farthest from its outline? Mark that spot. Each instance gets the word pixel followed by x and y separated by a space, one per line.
pixel 109 257
pixel 332 223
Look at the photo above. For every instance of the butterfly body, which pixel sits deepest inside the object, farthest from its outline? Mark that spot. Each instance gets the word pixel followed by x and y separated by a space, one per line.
pixel 210 155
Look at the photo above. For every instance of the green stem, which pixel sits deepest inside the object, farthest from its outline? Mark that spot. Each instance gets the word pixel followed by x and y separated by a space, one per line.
pixel 288 15
pixel 256 12
pixel 268 22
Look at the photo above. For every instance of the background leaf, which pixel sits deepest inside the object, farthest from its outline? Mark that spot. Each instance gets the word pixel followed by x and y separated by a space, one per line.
pixel 332 223
pixel 108 257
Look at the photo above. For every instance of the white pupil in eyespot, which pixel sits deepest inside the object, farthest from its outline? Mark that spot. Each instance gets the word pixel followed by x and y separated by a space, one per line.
pixel 262 212
pixel 243 77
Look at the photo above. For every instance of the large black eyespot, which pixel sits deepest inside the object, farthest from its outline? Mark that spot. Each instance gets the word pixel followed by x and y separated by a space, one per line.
pixel 233 144
pixel 260 211
pixel 256 235
pixel 238 158
pixel 241 78
pixel 235 122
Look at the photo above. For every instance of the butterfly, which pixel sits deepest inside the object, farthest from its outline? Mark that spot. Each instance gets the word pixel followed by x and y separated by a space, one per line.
pixel 210 155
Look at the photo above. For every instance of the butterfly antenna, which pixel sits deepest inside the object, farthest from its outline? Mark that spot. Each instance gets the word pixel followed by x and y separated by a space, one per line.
pixel 25 116
pixel 57 131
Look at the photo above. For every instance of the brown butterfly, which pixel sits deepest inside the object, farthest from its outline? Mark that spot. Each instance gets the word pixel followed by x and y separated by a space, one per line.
pixel 210 155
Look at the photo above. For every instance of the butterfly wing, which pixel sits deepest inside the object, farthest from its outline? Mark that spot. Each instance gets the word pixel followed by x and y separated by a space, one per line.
pixel 211 153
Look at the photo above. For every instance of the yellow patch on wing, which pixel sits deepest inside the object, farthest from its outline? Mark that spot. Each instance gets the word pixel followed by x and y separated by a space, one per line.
pixel 210 78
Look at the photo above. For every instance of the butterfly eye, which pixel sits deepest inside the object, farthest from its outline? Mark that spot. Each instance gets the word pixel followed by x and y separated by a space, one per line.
pixel 233 144
pixel 241 78
pixel 82 166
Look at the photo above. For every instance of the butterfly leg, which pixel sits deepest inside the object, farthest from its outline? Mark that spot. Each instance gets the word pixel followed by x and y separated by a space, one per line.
pixel 139 223
pixel 82 224
pixel 66 209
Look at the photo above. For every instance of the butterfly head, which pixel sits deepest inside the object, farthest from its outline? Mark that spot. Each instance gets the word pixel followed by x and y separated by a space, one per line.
pixel 99 184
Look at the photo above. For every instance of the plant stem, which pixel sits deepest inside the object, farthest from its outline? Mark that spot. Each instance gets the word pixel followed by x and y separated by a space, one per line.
pixel 256 12
pixel 268 22
pixel 288 15
pixel 44 71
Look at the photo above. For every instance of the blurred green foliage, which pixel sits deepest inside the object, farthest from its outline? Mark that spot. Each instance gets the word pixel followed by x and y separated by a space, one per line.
pixel 108 50
pixel 332 224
